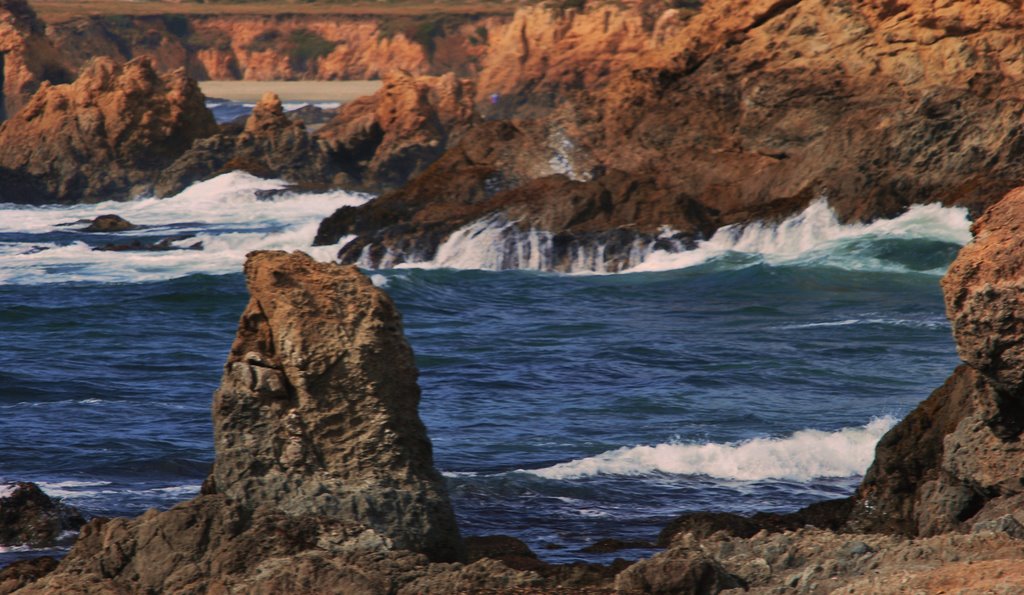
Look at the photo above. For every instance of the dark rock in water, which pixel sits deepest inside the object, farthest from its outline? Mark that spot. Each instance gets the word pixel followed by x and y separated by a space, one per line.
pixel 513 552
pixel 829 514
pixel 22 572
pixel 606 546
pixel 107 135
pixel 270 145
pixel 29 516
pixel 311 116
pixel 109 223
pixel 679 570
pixel 323 479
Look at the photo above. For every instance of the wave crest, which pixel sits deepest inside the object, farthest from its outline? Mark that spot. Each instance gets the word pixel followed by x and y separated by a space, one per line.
pixel 805 455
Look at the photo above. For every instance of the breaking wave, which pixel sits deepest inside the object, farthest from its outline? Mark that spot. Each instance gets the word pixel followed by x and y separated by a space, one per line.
pixel 803 456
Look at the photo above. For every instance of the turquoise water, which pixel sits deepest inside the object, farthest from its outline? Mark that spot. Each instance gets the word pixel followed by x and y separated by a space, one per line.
pixel 563 408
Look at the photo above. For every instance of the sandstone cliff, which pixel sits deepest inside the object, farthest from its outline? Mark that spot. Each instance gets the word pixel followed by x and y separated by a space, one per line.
pixel 293 47
pixel 382 140
pixel 323 479
pixel 27 58
pixel 104 136
pixel 747 110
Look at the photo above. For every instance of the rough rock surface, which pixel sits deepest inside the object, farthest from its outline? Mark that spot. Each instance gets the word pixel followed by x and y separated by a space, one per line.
pixel 323 478
pixel 29 516
pixel 382 140
pixel 759 107
pixel 270 145
pixel 106 135
pixel 27 58
pixel 958 458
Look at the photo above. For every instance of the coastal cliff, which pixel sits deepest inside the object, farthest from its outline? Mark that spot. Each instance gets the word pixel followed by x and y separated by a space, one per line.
pixel 27 56
pixel 760 109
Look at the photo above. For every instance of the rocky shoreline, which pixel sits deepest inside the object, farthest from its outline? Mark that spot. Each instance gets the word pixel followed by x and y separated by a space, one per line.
pixel 324 481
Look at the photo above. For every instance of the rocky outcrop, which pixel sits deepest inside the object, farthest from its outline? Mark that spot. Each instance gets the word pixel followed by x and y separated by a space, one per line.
pixel 382 140
pixel 956 461
pixel 27 58
pixel 757 109
pixel 29 516
pixel 323 479
pixel 270 145
pixel 106 135
pixel 288 46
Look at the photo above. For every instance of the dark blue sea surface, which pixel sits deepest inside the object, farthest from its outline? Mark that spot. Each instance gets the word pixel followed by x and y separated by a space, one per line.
pixel 563 409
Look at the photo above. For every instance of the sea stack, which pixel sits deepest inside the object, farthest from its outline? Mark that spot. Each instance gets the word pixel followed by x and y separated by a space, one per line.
pixel 323 479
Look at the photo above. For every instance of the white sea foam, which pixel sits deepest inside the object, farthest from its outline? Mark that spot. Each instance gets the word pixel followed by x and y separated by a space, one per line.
pixel 813 236
pixel 803 456
pixel 227 214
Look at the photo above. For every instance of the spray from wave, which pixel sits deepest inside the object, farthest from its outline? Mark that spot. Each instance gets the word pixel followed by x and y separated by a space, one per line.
pixel 230 215
pixel 813 237
pixel 806 455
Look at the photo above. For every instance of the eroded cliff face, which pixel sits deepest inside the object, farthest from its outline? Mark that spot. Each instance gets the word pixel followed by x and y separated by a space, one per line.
pixel 27 58
pixel 105 136
pixel 750 111
pixel 286 47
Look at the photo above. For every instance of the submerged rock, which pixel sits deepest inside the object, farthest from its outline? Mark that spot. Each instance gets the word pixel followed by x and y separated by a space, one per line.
pixel 29 516
pixel 109 223
pixel 323 479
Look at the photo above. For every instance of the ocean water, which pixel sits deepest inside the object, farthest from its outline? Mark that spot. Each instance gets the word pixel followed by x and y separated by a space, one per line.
pixel 754 373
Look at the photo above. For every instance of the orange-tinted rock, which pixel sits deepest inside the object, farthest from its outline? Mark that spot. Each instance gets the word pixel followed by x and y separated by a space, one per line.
pixel 105 136
pixel 384 139
pixel 27 58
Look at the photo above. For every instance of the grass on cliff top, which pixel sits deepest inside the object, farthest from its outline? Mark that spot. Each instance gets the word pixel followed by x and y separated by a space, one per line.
pixel 57 11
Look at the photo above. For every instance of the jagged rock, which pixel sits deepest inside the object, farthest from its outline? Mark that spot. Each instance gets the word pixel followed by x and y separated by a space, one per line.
pixel 18 574
pixel 960 451
pixel 109 223
pixel 678 570
pixel 323 478
pixel 313 388
pixel 270 145
pixel 29 516
pixel 27 58
pixel 106 135
pixel 748 110
pixel 382 140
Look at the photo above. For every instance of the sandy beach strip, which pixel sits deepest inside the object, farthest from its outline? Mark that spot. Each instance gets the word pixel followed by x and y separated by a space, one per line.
pixel 289 91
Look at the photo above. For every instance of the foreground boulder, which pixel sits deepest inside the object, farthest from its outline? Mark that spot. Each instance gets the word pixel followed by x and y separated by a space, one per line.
pixel 105 136
pixel 323 479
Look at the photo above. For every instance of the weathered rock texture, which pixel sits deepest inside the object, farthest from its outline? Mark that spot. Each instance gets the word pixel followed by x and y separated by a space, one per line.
pixel 29 516
pixel 748 109
pixel 104 136
pixel 269 145
pixel 323 479
pixel 957 460
pixel 27 58
pixel 382 140
pixel 287 47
